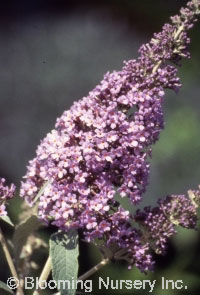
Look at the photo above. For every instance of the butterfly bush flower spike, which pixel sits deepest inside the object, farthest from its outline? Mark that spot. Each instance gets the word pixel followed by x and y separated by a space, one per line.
pixel 6 193
pixel 103 143
pixel 160 222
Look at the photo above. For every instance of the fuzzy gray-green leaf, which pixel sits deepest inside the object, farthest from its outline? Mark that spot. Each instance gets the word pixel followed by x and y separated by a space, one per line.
pixel 7 220
pixel 4 290
pixel 64 256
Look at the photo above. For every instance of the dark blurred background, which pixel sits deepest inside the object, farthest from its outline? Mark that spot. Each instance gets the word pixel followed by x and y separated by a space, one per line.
pixel 54 52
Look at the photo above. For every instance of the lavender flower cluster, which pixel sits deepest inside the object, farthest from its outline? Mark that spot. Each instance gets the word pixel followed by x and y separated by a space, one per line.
pixel 152 229
pixel 102 144
pixel 6 193
pixel 160 223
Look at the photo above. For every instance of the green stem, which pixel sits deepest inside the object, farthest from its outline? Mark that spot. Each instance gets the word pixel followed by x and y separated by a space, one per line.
pixel 10 262
pixel 44 275
pixel 86 275
pixel 41 191
pixel 94 269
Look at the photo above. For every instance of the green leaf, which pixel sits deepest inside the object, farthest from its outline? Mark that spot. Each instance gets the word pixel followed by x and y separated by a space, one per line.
pixel 22 232
pixel 4 290
pixel 41 191
pixel 64 257
pixel 7 220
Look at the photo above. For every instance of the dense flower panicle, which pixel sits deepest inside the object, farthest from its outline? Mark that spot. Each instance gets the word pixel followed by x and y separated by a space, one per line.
pixel 158 224
pixel 180 210
pixel 95 148
pixel 131 247
pixel 102 145
pixel 6 193
pixel 156 227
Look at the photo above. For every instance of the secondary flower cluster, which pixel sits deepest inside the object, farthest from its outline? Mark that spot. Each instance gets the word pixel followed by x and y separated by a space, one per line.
pixel 6 193
pixel 152 229
pixel 159 223
pixel 102 144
